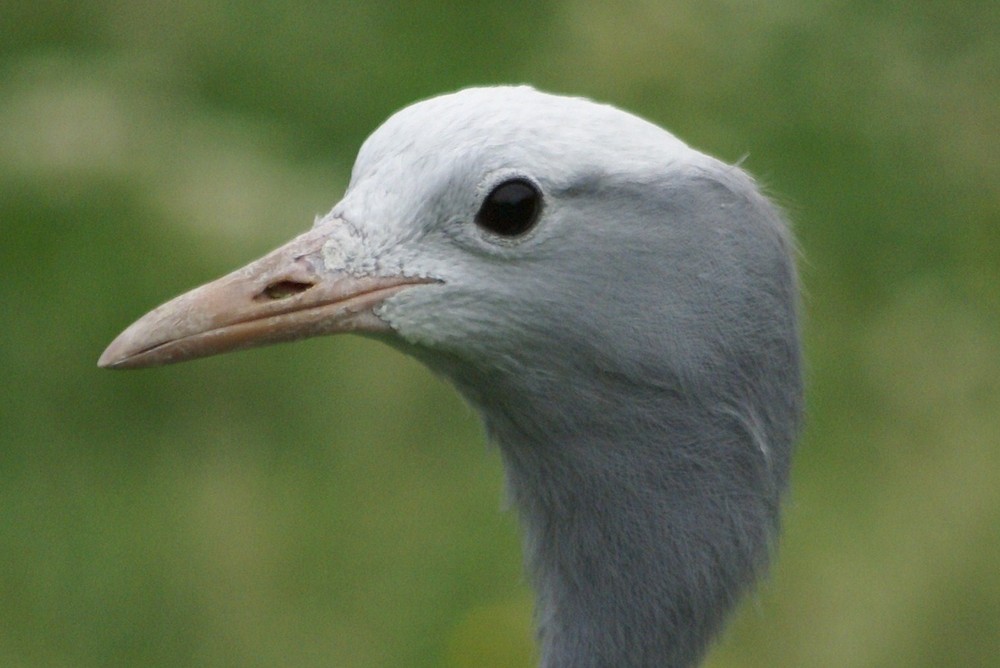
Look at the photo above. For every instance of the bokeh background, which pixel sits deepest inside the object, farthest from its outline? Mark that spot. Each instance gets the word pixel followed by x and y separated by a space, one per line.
pixel 331 503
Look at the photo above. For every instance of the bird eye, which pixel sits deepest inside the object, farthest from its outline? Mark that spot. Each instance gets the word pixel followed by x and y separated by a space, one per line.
pixel 511 208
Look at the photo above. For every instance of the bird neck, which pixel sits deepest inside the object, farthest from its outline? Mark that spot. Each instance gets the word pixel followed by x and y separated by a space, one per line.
pixel 640 532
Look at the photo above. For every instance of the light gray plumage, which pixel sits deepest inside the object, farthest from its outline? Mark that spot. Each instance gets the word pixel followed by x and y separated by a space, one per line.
pixel 634 354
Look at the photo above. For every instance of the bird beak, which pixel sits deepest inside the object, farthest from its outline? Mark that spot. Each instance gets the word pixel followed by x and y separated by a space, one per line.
pixel 286 295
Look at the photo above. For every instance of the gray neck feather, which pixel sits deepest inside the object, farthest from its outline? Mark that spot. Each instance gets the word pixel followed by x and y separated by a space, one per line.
pixel 639 543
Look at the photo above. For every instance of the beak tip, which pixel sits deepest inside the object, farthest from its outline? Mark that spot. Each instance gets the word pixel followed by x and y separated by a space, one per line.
pixel 120 353
pixel 109 359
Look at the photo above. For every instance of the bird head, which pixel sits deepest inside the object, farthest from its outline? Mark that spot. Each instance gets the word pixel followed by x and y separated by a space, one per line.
pixel 509 237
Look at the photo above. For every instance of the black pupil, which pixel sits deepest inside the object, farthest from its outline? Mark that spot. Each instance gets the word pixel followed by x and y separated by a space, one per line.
pixel 510 209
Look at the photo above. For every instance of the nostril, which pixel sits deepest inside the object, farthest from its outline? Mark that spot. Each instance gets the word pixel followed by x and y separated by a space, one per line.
pixel 282 290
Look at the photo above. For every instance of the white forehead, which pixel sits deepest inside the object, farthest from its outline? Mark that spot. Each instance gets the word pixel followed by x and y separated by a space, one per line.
pixel 432 162
pixel 479 129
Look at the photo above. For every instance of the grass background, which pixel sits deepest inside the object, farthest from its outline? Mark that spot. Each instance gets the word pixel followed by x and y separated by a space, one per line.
pixel 331 503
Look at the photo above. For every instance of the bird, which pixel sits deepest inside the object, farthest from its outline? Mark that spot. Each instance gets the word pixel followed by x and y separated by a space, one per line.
pixel 619 308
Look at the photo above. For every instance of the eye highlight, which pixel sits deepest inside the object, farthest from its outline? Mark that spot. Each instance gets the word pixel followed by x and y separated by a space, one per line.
pixel 511 208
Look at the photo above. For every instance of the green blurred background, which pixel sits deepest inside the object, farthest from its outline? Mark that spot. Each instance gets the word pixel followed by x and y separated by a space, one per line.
pixel 332 503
